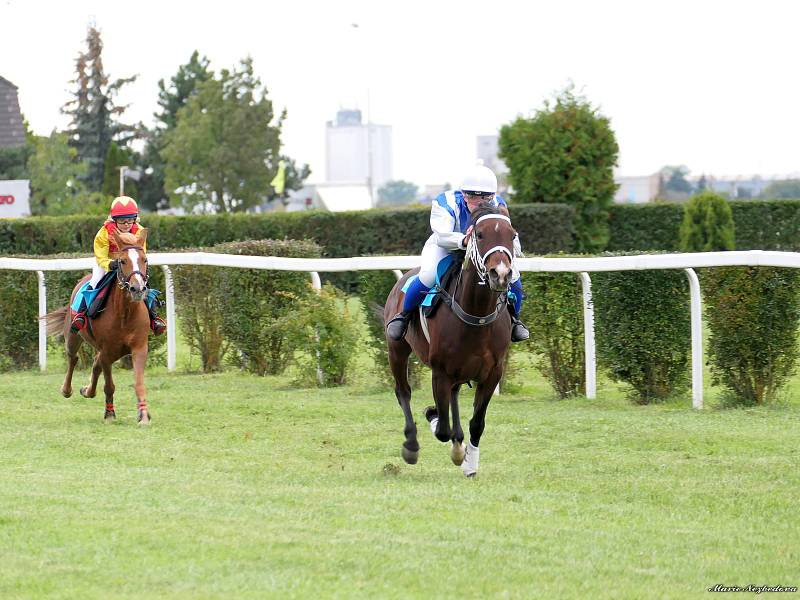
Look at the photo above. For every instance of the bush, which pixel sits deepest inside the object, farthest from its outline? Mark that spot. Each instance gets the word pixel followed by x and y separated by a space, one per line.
pixel 707 224
pixel 645 227
pixel 327 336
pixel 259 305
pixel 753 315
pixel 19 338
pixel 553 311
pixel 374 288
pixel 643 330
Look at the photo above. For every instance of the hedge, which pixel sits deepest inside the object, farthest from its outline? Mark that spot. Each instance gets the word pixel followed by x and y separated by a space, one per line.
pixel 759 225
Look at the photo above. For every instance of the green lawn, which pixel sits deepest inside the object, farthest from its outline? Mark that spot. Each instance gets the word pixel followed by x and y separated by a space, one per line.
pixel 246 488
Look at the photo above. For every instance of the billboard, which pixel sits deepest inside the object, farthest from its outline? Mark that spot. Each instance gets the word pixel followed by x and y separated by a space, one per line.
pixel 14 198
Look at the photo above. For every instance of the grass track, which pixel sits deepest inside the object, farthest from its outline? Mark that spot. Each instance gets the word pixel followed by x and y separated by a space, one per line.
pixel 246 488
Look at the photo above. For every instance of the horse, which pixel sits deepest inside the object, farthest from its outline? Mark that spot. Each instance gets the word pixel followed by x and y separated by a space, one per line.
pixel 467 342
pixel 122 328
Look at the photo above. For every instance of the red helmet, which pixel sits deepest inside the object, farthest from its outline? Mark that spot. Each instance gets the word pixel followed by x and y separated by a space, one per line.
pixel 124 207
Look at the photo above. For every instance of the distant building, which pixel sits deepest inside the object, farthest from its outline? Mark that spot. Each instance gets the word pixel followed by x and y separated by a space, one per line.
pixel 741 186
pixel 335 197
pixel 636 189
pixel 487 147
pixel 357 152
pixel 12 131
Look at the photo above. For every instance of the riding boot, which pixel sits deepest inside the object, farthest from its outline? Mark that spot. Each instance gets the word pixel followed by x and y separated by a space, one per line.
pixel 157 324
pixel 79 321
pixel 396 328
pixel 519 333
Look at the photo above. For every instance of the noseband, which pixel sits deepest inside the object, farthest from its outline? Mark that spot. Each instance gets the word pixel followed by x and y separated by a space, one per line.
pixel 474 253
pixel 124 283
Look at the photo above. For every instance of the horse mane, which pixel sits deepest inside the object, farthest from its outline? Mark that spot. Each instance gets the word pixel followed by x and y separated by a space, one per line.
pixel 128 239
pixel 484 208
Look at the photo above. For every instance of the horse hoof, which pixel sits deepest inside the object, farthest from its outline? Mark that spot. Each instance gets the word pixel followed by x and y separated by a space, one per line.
pixel 144 418
pixel 110 416
pixel 457 453
pixel 85 392
pixel 431 413
pixel 66 393
pixel 470 475
pixel 410 456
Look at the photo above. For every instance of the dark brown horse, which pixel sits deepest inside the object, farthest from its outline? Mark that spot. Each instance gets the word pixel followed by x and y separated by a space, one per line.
pixel 467 340
pixel 120 329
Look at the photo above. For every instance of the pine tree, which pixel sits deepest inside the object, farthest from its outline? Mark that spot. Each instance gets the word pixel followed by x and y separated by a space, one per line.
pixel 93 113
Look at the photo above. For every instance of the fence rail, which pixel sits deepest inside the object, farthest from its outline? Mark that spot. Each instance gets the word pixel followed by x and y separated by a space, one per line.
pixel 688 262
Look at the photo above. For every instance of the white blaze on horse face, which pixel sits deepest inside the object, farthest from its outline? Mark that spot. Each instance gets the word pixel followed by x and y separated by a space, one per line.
pixel 133 255
pixel 502 270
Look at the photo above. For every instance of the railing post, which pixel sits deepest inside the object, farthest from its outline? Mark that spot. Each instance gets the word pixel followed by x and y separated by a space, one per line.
pixel 171 333
pixel 590 357
pixel 398 273
pixel 42 322
pixel 697 339
pixel 316 283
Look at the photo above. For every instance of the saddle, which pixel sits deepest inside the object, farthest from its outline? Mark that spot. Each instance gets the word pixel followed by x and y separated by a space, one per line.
pixel 101 295
pixel 448 270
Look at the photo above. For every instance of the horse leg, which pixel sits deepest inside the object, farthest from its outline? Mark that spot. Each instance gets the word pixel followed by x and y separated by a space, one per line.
pixel 457 451
pixel 440 421
pixel 108 387
pixel 139 361
pixel 90 391
pixel 398 361
pixel 483 394
pixel 72 342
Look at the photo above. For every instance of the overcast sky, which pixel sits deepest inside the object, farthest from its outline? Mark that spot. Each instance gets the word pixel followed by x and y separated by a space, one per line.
pixel 714 85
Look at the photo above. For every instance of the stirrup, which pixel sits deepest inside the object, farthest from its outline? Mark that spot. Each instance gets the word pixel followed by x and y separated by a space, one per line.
pixel 396 328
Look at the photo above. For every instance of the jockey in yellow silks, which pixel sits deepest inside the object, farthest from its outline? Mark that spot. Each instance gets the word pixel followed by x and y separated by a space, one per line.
pixel 123 217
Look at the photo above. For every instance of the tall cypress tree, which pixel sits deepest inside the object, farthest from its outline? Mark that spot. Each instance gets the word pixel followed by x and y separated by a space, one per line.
pixel 93 113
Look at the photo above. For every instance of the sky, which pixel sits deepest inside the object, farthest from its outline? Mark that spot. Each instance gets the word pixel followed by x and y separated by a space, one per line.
pixel 709 84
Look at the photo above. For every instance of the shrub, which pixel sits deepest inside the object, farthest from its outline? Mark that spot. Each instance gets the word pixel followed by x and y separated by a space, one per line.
pixel 374 288
pixel 643 330
pixel 259 305
pixel 707 224
pixel 327 336
pixel 19 339
pixel 753 315
pixel 553 312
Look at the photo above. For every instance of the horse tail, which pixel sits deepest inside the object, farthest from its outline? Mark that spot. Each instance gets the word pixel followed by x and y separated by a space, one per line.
pixel 56 321
pixel 377 311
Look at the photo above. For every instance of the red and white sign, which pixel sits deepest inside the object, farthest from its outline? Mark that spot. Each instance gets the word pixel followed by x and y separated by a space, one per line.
pixel 14 198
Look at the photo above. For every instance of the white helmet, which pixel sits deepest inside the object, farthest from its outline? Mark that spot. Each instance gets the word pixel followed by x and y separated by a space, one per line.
pixel 480 179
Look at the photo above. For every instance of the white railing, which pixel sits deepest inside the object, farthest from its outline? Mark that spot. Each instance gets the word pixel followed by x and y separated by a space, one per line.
pixel 314 266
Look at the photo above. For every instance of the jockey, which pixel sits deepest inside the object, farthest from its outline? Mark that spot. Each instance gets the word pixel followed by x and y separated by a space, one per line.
pixel 124 217
pixel 450 218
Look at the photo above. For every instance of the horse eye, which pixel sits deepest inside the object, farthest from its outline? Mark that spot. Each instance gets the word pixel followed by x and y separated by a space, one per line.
pixel 480 236
pixel 145 261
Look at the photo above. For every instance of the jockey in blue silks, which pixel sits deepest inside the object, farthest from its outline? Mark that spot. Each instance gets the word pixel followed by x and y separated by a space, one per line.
pixel 450 218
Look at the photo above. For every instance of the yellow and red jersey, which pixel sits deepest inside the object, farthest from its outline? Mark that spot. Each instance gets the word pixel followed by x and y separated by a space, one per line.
pixel 104 246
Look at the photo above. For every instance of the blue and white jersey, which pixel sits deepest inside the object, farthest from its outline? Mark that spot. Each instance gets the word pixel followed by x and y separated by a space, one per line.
pixel 450 217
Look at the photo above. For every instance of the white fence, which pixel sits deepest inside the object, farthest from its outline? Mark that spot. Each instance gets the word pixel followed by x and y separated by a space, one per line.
pixel 314 266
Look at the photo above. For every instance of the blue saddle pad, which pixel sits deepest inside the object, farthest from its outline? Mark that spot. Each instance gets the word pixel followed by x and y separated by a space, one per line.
pixel 441 269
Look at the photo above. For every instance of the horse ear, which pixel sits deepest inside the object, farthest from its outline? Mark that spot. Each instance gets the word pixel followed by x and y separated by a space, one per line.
pixel 141 235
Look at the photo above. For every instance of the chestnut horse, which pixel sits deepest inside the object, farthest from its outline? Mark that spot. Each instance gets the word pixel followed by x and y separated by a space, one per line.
pixel 122 328
pixel 466 340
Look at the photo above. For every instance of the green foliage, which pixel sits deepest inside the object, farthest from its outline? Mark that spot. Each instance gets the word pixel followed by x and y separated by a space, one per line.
pixel 645 227
pixel 19 340
pixel 14 162
pixel 224 148
pixel 553 311
pixel 643 330
pixel 790 188
pixel 373 289
pixel 565 153
pixel 673 184
pixel 396 192
pixel 327 337
pixel 258 320
pixel 56 177
pixel 707 224
pixel 753 315
pixel 93 115
pixel 171 98
pixel 116 158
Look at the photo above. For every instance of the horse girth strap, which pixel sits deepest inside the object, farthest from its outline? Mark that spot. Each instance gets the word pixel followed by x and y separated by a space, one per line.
pixel 468 318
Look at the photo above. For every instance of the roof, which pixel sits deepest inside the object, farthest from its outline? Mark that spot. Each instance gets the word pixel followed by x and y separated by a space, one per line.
pixel 12 131
pixel 340 197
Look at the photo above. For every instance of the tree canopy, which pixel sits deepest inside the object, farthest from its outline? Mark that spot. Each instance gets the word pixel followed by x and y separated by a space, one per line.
pixel 396 192
pixel 565 153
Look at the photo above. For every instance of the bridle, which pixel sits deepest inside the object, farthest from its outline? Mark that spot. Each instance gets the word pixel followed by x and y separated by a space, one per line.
pixel 124 283
pixel 473 255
